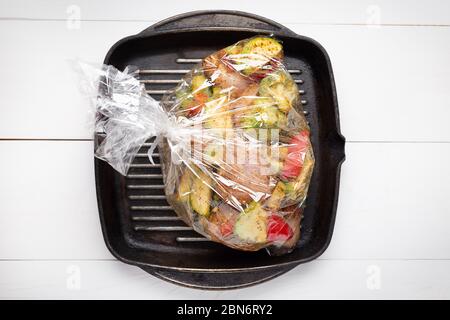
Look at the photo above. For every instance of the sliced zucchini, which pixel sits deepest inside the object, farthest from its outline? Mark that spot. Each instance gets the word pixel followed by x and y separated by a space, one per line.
pixel 199 82
pixel 251 225
pixel 201 194
pixel 297 189
pixel 265 114
pixel 184 188
pixel 247 121
pixel 290 190
pixel 278 194
pixel 258 52
pixel 268 47
pixel 280 86
pixel 270 117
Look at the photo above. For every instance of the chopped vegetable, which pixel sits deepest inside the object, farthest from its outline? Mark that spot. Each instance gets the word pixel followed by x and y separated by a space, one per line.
pixel 280 86
pixel 299 142
pixel 258 53
pixel 282 152
pixel 224 216
pixel 268 47
pixel 185 98
pixel 289 189
pixel 184 188
pixel 296 152
pixel 263 114
pixel 193 100
pixel 199 82
pixel 201 97
pixel 297 188
pixel 278 229
pixel 278 194
pixel 251 225
pixel 194 110
pixel 269 116
pixel 275 166
pixel 226 229
pixel 292 165
pixel 201 194
pixel 216 91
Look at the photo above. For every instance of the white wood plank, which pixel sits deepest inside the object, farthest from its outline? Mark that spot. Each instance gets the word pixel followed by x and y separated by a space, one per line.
pixel 392 82
pixel 384 94
pixel 323 279
pixel 285 11
pixel 393 202
pixel 49 205
pixel 41 96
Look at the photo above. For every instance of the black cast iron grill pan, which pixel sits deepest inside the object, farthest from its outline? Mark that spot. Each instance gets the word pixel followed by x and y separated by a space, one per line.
pixel 139 226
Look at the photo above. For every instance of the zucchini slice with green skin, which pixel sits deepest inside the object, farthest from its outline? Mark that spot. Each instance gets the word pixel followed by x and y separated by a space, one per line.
pixel 201 194
pixel 280 86
pixel 251 225
pixel 258 52
pixel 265 46
pixel 264 114
pixel 184 188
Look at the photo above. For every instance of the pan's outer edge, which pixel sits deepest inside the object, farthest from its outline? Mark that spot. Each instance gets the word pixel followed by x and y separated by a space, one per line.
pixel 285 32
pixel 275 273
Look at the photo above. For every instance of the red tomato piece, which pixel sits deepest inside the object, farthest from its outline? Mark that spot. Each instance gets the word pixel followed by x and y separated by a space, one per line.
pixel 293 163
pixel 200 98
pixel 299 142
pixel 278 229
pixel 193 111
pixel 226 229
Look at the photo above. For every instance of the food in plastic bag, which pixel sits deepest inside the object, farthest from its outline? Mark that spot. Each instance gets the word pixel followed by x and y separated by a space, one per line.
pixel 236 154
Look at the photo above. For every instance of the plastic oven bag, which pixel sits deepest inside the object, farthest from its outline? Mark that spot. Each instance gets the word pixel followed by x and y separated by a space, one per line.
pixel 234 143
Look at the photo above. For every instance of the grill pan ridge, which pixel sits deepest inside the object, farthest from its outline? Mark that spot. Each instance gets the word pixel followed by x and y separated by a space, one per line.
pixel 138 225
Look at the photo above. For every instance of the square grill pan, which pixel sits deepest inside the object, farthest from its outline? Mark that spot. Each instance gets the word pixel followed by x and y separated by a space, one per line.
pixel 140 228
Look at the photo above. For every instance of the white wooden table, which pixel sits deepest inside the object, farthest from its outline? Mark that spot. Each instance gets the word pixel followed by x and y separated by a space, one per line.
pixel 392 69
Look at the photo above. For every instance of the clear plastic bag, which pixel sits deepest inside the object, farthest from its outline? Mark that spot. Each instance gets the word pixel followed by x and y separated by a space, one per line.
pixel 234 144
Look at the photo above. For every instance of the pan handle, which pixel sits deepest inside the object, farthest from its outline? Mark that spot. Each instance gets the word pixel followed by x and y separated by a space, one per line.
pixel 218 19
